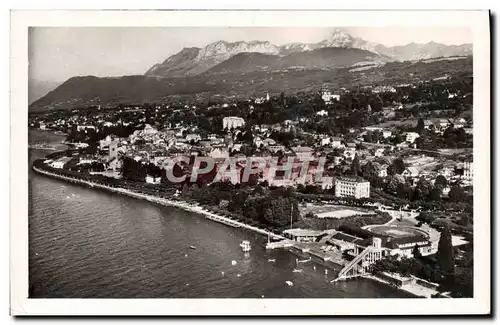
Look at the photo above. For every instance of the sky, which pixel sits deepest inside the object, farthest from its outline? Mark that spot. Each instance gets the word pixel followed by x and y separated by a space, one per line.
pixel 59 53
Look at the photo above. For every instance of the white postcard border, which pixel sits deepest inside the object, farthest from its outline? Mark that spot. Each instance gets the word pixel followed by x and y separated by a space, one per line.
pixel 21 305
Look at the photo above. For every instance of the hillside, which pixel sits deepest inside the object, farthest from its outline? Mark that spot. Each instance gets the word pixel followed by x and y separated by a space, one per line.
pixel 245 62
pixel 327 58
pixel 182 63
pixel 322 58
pixel 84 91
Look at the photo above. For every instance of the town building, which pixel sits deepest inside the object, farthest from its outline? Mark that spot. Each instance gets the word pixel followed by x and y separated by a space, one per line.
pixel 326 182
pixel 60 163
pixel 447 171
pixel 379 152
pixel 404 246
pixel 85 127
pixel 322 113
pixel 350 153
pixel 152 179
pixel 383 89
pixel 336 142
pixel 325 141
pixel 443 124
pixel 410 172
pixel 428 124
pixel 276 148
pixel 327 96
pixel 468 170
pixel 87 159
pixel 303 152
pixel 232 122
pixel 302 235
pixel 382 171
pixel 412 136
pixel 352 187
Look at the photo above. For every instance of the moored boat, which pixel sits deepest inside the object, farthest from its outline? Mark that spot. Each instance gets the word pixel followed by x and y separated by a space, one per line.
pixel 245 246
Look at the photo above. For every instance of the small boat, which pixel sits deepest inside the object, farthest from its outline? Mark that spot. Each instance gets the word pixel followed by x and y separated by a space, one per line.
pixel 245 245
pixel 271 260
pixel 290 283
pixel 192 247
pixel 304 261
pixel 297 270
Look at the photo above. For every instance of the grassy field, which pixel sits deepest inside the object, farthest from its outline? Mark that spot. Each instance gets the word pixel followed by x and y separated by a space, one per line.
pixel 333 211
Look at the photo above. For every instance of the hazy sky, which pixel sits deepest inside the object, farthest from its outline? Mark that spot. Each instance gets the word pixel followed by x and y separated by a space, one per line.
pixel 58 53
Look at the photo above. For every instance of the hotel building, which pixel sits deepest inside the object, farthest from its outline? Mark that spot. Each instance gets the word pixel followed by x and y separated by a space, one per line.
pixel 352 187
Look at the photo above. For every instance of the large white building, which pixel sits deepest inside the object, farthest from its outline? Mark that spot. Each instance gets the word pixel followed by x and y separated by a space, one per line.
pixel 412 136
pixel 352 187
pixel 59 163
pixel 232 122
pixel 327 96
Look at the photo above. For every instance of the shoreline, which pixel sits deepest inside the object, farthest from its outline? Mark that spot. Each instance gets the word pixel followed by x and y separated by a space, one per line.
pixel 166 202
pixel 183 205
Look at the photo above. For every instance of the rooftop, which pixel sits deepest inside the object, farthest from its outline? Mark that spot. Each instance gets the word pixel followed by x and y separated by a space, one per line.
pixel 303 232
pixel 352 179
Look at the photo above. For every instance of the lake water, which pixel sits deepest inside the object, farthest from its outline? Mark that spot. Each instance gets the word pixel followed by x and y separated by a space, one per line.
pixel 90 243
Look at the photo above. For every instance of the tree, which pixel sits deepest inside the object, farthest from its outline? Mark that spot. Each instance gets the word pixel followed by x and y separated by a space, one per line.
pixel 185 190
pixel 369 170
pixel 420 126
pixel 355 168
pixel 456 194
pixel 445 257
pixel 403 190
pixel 441 180
pixel 424 187
pixel 392 185
pixel 396 167
pixel 416 252
pixel 435 193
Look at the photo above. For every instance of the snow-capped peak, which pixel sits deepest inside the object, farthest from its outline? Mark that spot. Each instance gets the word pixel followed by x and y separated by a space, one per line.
pixel 341 38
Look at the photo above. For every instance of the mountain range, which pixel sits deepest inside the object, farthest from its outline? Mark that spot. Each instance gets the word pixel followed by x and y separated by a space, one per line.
pixel 195 60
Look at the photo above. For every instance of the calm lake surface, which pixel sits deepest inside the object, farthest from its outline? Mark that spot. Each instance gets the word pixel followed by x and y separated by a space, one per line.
pixel 87 243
